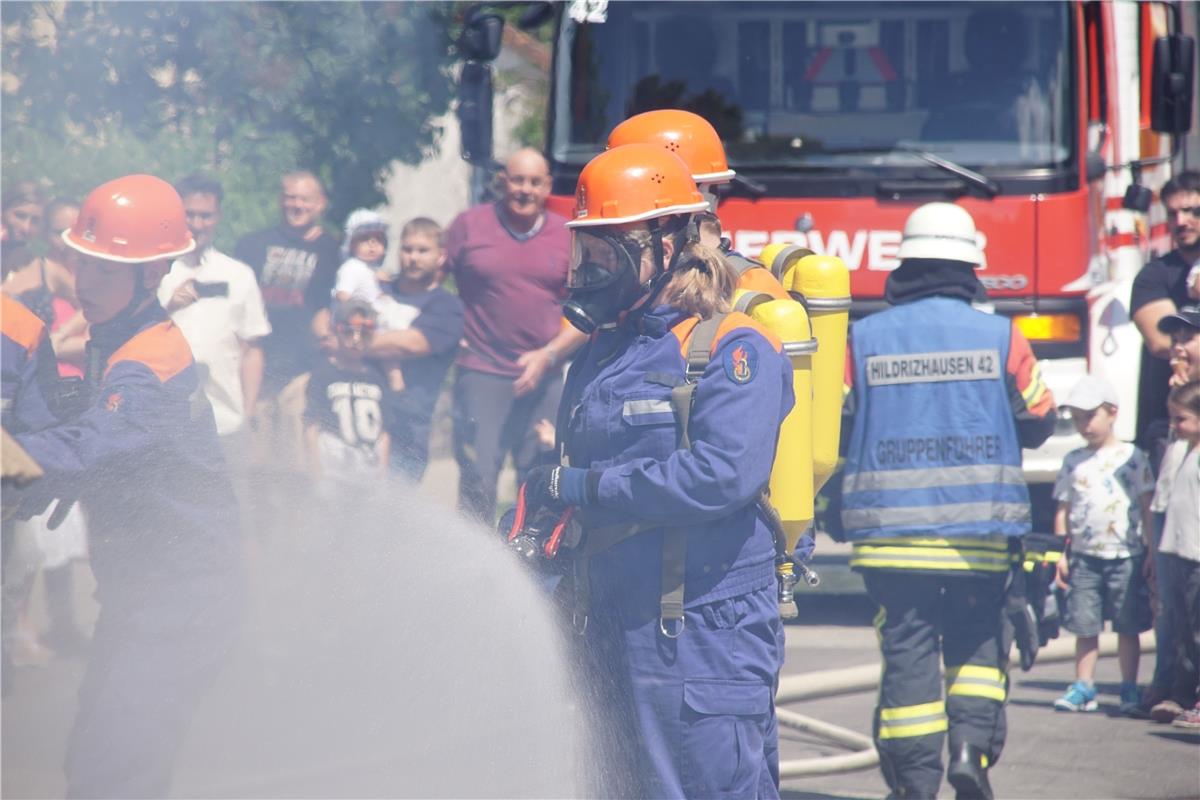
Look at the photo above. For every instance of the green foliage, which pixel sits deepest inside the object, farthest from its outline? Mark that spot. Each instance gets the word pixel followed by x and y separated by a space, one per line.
pixel 244 91
pixel 530 130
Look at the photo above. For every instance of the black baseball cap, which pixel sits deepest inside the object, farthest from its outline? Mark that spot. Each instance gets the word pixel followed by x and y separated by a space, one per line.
pixel 1188 315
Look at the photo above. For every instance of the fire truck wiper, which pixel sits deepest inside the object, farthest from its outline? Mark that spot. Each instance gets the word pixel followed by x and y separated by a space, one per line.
pixel 981 182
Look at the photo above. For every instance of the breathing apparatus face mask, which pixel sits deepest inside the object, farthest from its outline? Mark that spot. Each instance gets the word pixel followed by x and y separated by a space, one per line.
pixel 604 278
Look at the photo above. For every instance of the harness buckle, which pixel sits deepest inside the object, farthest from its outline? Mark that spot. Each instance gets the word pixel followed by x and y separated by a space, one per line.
pixel 669 629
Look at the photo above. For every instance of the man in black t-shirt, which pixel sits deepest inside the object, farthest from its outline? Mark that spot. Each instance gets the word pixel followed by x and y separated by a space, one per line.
pixel 420 326
pixel 1159 290
pixel 296 264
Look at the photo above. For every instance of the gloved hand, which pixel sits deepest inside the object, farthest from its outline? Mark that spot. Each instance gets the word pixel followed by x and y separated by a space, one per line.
pixel 806 545
pixel 556 488
pixel 507 520
pixel 27 502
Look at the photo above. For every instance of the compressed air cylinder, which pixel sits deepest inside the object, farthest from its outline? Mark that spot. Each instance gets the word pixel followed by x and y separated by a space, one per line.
pixel 792 476
pixel 778 257
pixel 824 283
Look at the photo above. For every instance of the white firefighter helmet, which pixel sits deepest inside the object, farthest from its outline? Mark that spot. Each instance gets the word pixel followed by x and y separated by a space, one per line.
pixel 942 231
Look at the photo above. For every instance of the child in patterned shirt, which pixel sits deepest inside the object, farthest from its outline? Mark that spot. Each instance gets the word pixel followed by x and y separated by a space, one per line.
pixel 1104 492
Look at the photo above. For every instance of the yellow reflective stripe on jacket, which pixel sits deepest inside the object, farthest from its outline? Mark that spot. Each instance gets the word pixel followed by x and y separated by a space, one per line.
pixel 908 721
pixel 951 557
pixel 996 541
pixel 1033 559
pixel 973 680
pixel 941 514
pixel 929 477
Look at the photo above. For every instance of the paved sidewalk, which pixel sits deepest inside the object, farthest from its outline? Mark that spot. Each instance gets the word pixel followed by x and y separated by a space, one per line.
pixel 1049 754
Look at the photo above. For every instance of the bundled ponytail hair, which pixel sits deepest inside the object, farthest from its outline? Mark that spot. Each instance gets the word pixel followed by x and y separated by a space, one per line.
pixel 703 283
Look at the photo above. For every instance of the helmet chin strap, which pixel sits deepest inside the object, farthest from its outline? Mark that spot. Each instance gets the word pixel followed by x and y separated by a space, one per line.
pixel 653 287
pixel 142 297
pixel 140 293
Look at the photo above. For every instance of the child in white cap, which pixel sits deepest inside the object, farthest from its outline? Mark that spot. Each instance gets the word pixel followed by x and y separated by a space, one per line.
pixel 363 249
pixel 1103 492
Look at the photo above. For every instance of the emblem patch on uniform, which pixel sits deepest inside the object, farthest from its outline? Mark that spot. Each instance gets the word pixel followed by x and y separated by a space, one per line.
pixel 741 362
pixel 113 403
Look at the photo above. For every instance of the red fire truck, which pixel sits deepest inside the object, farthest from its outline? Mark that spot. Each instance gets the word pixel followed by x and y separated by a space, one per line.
pixel 840 118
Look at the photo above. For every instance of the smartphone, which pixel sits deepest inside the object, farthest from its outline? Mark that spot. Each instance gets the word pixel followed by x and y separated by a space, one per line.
pixel 211 289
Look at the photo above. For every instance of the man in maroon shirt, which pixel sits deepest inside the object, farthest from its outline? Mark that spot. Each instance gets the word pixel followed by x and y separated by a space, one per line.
pixel 509 259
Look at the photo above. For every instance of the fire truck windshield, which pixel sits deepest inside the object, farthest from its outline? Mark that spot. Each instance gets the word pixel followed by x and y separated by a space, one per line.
pixel 828 85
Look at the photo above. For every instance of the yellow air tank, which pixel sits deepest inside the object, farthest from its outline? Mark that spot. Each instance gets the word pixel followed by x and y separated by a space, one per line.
pixel 779 256
pixel 824 283
pixel 792 474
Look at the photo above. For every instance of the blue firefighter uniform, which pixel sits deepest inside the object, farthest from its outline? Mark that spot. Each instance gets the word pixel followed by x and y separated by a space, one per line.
pixel 144 462
pixel 944 397
pixel 27 376
pixel 28 367
pixel 693 715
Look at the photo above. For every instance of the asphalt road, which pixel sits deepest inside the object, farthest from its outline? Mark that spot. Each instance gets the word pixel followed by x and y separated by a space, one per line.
pixel 1049 754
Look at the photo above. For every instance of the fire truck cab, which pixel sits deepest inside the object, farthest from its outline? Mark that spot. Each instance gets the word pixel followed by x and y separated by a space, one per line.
pixel 841 118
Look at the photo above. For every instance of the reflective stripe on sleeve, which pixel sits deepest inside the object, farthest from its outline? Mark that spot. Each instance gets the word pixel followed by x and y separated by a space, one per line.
pixel 973 680
pixel 648 411
pixel 909 721
pixel 1036 388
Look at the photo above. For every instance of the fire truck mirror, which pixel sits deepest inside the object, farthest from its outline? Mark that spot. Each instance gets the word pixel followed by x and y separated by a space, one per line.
pixel 1137 198
pixel 475 112
pixel 480 37
pixel 1172 84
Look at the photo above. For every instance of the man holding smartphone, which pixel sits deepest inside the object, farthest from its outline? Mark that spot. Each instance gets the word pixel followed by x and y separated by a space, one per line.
pixel 216 302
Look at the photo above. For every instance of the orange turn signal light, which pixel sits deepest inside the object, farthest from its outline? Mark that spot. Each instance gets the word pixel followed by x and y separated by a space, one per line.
pixel 1049 327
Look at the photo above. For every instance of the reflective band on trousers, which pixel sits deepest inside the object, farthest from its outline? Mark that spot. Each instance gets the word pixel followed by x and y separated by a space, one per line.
pixel 921 516
pixel 950 557
pixel 878 480
pixel 972 680
pixel 908 721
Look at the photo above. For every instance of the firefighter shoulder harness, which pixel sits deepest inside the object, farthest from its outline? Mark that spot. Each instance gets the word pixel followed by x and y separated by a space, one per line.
pixel 806 454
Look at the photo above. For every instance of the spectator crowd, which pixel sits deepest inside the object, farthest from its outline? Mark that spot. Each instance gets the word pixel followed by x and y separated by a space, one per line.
pixel 320 357
pixel 325 358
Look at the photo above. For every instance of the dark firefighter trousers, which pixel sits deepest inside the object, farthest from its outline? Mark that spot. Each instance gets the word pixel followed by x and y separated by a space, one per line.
pixel 154 654
pixel 922 616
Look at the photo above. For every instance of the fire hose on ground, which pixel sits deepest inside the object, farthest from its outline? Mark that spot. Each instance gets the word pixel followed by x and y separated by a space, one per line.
pixel 828 683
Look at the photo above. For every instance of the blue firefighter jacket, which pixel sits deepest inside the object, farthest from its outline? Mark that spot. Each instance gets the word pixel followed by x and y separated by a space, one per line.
pixel 144 461
pixel 28 369
pixel 933 477
pixel 619 421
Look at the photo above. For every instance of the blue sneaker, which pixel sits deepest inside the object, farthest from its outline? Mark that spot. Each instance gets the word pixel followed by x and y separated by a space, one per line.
pixel 1079 697
pixel 1131 699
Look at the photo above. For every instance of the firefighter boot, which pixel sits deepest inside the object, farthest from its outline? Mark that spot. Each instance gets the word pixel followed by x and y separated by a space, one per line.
pixel 968 773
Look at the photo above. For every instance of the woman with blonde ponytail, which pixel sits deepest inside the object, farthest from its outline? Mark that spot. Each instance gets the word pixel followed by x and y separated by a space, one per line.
pixel 703 282
pixel 672 583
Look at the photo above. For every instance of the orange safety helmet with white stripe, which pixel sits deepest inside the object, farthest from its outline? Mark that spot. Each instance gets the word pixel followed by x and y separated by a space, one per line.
pixel 131 220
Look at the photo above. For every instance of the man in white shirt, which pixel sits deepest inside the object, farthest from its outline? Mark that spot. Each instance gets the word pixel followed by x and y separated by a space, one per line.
pixel 216 302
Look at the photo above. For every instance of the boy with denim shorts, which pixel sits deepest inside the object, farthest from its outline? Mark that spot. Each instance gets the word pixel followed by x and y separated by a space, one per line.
pixel 1103 492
